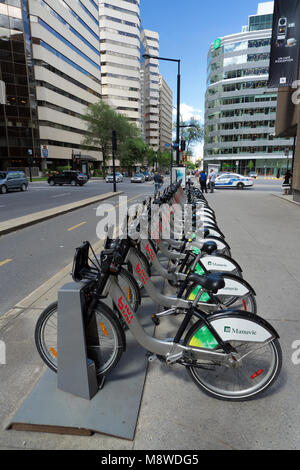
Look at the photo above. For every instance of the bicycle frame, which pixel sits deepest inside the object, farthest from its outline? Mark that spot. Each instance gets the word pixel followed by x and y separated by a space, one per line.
pixel 173 351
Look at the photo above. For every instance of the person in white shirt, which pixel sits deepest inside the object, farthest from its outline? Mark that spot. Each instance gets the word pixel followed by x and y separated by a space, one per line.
pixel 212 179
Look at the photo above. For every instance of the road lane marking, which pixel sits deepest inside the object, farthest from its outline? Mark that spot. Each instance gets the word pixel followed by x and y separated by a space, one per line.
pixel 76 226
pixel 61 195
pixel 2 263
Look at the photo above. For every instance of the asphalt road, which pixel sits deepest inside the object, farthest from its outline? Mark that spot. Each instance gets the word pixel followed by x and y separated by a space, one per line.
pixel 40 196
pixel 29 257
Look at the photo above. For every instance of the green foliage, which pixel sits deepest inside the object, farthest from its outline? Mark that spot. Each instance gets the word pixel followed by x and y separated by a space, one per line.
pixel 133 152
pixel 193 134
pixel 150 158
pixel 101 120
pixel 63 168
pixel 164 160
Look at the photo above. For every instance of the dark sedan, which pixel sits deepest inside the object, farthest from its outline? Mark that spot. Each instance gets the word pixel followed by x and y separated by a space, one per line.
pixel 73 178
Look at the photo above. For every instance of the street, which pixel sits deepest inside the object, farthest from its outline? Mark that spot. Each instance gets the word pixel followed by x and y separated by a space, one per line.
pixel 31 256
pixel 40 196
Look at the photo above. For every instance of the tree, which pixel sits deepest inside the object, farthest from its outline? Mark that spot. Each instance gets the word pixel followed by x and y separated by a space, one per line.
pixel 250 165
pixel 164 160
pixel 100 121
pixel 132 152
pixel 193 134
pixel 150 157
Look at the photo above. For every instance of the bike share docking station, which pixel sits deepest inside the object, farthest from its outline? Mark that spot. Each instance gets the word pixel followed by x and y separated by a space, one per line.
pixel 72 401
pixel 76 371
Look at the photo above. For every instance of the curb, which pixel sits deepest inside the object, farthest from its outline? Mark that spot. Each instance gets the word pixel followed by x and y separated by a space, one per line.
pixel 21 222
pixel 284 198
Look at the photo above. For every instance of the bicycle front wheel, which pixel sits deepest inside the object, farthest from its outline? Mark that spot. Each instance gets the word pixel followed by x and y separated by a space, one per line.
pixel 256 372
pixel 109 331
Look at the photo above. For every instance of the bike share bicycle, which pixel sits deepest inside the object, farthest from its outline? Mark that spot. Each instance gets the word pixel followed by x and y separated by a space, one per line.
pixel 230 354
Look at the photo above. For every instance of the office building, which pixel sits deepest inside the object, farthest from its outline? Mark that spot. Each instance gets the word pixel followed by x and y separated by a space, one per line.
pixel 165 115
pixel 50 68
pixel 240 109
pixel 120 56
pixel 151 88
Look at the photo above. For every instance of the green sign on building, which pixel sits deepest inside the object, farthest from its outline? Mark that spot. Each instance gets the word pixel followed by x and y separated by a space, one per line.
pixel 217 43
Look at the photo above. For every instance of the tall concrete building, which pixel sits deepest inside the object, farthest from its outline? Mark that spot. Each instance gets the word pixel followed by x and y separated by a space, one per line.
pixel 165 115
pixel 240 109
pixel 120 56
pixel 151 86
pixel 50 67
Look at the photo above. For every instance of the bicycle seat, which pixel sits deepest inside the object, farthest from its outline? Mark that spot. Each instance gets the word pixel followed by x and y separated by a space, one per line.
pixel 212 282
pixel 209 248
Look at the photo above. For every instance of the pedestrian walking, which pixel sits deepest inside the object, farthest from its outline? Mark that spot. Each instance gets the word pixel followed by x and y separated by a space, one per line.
pixel 203 181
pixel 287 183
pixel 197 175
pixel 212 179
pixel 158 182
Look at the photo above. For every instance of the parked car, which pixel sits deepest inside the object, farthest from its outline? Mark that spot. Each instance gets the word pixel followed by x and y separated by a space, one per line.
pixel 253 174
pixel 110 178
pixel 138 178
pixel 68 177
pixel 148 176
pixel 12 180
pixel 232 180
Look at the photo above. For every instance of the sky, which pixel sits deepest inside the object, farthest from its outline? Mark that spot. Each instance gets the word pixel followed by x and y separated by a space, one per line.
pixel 186 29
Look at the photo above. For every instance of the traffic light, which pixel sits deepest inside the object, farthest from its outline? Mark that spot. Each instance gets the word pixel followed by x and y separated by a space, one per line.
pixel 183 145
pixel 184 158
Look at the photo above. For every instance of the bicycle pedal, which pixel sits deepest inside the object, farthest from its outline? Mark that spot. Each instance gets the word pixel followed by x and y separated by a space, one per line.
pixel 155 320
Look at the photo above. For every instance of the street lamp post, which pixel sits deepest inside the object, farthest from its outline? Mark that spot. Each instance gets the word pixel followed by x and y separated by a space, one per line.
pixel 148 56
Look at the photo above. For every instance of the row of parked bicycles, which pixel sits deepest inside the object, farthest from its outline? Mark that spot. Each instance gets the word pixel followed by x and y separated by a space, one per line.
pixel 227 349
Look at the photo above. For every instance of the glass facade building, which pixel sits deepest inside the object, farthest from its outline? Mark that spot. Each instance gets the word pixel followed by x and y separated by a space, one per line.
pixel 49 74
pixel 19 131
pixel 240 109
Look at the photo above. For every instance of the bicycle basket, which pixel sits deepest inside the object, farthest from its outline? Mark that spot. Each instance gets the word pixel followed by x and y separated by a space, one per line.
pixel 81 264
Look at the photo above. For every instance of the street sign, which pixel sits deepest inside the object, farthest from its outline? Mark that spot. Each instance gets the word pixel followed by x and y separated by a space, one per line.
pixel 217 44
pixel 44 151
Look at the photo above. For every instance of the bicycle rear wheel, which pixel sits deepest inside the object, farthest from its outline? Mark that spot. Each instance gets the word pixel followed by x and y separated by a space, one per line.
pixel 259 368
pixel 109 332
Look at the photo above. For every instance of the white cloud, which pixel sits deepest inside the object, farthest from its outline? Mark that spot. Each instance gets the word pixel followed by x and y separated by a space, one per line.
pixel 187 112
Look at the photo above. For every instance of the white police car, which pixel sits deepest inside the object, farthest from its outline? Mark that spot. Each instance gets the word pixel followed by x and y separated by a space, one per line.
pixel 232 180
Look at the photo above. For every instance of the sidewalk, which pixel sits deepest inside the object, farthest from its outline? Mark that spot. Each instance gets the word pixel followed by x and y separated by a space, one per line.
pixel 263 233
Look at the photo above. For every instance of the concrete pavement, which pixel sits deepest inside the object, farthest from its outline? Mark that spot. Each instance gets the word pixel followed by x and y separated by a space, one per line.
pixel 263 232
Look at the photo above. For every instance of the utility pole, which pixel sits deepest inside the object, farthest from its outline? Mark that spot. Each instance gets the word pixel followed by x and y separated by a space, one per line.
pixel 114 149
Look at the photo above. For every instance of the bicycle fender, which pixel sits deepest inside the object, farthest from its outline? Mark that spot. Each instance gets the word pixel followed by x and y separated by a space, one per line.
pixel 221 243
pixel 233 325
pixel 219 263
pixel 235 285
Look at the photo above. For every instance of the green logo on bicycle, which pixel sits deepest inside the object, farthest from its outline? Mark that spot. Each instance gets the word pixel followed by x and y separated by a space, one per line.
pixel 237 331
